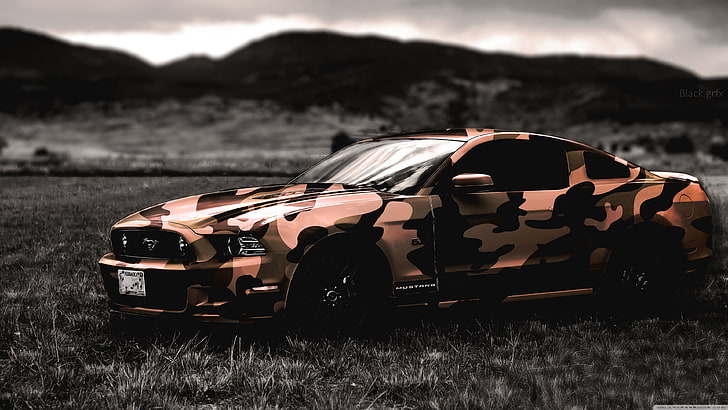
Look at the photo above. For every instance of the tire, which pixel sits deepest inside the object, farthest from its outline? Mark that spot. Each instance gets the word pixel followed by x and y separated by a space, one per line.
pixel 337 291
pixel 641 278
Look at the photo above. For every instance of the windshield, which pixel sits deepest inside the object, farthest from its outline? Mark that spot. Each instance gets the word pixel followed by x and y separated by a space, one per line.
pixel 392 165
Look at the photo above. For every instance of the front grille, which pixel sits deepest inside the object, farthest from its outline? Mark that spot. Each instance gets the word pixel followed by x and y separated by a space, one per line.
pixel 148 243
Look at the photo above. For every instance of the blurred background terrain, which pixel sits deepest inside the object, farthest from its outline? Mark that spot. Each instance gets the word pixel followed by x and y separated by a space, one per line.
pixel 273 106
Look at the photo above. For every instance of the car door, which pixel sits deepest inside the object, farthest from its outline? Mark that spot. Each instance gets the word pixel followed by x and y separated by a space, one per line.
pixel 506 239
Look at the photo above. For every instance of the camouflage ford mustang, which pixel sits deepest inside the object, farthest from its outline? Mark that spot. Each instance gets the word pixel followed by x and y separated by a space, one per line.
pixel 423 218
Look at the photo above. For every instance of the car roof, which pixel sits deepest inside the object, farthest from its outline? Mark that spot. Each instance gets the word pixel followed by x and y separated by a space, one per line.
pixel 485 134
pixel 467 134
pixel 458 134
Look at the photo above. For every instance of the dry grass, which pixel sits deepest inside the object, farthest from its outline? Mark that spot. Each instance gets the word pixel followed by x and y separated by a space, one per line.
pixel 208 134
pixel 57 350
pixel 214 136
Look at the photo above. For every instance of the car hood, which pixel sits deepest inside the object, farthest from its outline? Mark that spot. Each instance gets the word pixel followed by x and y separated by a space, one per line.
pixel 210 213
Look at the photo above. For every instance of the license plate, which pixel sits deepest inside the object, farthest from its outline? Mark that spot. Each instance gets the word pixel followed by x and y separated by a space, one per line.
pixel 131 282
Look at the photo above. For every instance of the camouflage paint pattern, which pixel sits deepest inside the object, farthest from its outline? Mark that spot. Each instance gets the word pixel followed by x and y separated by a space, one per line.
pixel 500 232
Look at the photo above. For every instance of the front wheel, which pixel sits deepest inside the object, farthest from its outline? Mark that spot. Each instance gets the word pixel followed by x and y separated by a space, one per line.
pixel 336 292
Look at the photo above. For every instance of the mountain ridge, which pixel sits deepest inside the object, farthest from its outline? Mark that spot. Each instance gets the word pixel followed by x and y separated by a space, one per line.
pixel 21 48
pixel 415 80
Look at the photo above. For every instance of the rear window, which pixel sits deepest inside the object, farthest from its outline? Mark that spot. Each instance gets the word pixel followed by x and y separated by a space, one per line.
pixel 600 166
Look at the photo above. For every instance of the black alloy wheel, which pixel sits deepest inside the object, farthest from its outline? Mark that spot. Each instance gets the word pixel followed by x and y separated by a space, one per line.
pixel 335 292
pixel 641 279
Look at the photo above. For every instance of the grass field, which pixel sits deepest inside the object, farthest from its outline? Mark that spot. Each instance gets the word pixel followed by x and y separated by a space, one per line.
pixel 206 135
pixel 217 136
pixel 57 349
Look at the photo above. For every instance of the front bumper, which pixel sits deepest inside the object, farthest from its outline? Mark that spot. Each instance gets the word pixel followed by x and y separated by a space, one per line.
pixel 211 292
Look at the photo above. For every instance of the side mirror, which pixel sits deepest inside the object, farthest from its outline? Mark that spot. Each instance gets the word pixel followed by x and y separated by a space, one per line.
pixel 472 182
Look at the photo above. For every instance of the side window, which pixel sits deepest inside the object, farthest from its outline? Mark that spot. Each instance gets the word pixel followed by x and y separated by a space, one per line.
pixel 600 166
pixel 517 165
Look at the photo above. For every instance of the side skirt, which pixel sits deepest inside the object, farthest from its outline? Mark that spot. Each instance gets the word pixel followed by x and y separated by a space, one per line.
pixel 431 300
pixel 548 295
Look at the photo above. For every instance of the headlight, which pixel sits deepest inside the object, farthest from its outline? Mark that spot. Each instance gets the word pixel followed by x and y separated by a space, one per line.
pixel 183 246
pixel 244 246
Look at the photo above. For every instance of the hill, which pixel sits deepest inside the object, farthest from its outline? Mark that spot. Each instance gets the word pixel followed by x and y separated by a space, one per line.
pixel 413 83
pixel 37 71
pixel 25 54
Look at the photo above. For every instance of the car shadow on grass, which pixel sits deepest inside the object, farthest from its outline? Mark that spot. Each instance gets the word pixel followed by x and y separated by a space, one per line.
pixel 463 319
pixel 706 303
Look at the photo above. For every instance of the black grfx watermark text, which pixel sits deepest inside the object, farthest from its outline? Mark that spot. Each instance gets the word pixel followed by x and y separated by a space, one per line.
pixel 701 93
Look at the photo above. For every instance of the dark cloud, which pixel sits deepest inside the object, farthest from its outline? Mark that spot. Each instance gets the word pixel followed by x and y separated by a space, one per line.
pixel 116 15
pixel 708 16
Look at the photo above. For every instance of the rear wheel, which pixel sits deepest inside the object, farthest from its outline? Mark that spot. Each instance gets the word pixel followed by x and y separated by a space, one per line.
pixel 336 291
pixel 641 278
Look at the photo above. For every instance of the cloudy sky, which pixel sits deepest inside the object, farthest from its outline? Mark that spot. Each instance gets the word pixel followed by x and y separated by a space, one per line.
pixel 690 33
